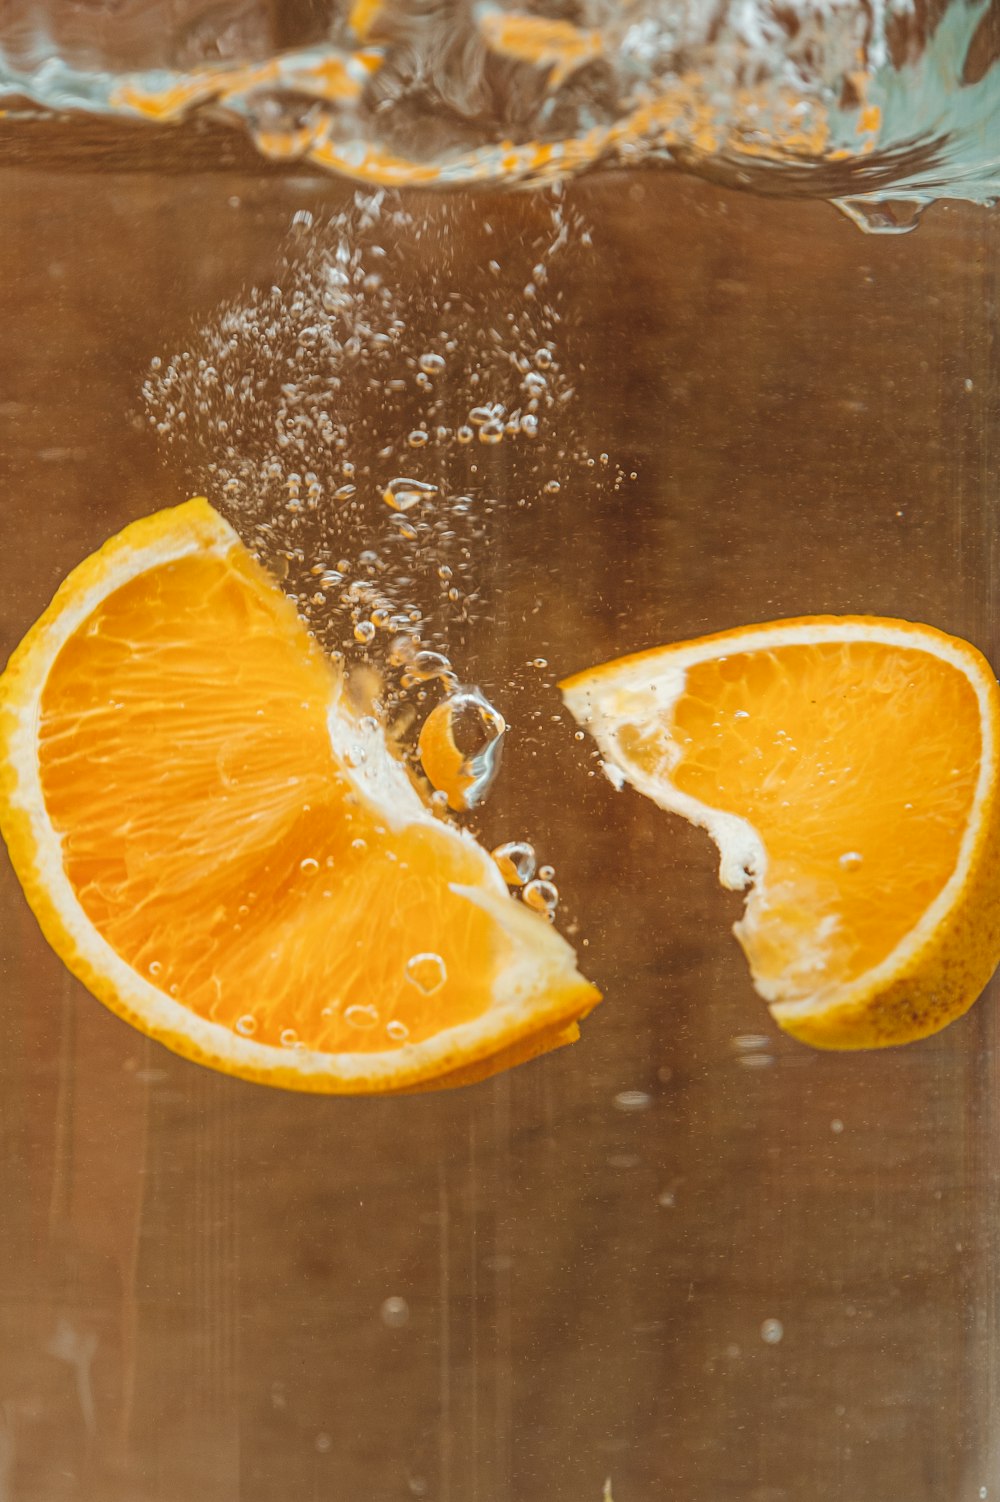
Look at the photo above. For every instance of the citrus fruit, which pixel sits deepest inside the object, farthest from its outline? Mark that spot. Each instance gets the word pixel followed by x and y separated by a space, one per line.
pixel 847 770
pixel 224 850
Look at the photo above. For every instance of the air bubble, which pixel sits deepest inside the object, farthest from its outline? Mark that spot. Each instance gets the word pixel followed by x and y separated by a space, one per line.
pixel 631 1102
pixel 155 968
pixel 361 1017
pixel 431 364
pixel 543 897
pixel 364 632
pixel 397 1031
pixel 851 860
pixel 552 487
pixel 427 972
pixel 289 1038
pixel 515 861
pixel 460 746
pixel 395 1313
pixel 491 432
pixel 246 1025
pixel 749 1042
pixel 418 438
pixel 308 865
pixel 771 1331
pixel 425 666
pixel 402 493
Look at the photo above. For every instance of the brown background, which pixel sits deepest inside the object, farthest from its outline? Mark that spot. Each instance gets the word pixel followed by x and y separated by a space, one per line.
pixel 192 1269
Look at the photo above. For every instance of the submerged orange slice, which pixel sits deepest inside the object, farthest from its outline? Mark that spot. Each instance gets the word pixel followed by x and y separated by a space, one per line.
pixel 847 769
pixel 225 851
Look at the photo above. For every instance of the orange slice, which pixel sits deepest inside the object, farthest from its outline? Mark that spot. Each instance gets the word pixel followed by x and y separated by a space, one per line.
pixel 225 851
pixel 847 771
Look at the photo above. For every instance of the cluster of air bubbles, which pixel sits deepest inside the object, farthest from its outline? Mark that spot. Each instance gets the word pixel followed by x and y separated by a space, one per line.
pixel 363 421
pixel 348 417
pixel 515 860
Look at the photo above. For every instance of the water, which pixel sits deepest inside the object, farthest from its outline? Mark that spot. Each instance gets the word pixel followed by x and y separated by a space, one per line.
pixel 882 107
pixel 687 1256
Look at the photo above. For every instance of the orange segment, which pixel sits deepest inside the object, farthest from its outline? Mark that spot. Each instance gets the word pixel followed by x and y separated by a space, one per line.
pixel 228 854
pixel 848 770
pixel 206 860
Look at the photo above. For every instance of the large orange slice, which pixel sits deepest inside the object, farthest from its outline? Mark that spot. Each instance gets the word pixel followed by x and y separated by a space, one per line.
pixel 227 854
pixel 847 769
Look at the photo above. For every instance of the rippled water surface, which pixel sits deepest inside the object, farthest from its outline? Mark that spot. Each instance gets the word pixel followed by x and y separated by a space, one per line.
pixel 853 101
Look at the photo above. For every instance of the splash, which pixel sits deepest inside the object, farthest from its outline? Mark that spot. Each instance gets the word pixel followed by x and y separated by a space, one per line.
pixel 865 101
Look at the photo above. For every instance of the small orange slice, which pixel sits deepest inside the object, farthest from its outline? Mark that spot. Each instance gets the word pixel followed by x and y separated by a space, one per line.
pixel 226 853
pixel 847 769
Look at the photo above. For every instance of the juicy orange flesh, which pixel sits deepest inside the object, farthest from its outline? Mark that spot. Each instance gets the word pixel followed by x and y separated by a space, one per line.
pixel 214 842
pixel 831 751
